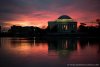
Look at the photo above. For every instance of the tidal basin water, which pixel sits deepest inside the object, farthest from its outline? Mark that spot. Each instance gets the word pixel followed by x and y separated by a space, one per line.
pixel 48 52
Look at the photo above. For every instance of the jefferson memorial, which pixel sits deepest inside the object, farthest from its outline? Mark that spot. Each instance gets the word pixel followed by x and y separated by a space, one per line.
pixel 64 24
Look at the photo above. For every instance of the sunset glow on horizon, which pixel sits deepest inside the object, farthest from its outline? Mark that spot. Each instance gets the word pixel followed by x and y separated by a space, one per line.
pixel 38 13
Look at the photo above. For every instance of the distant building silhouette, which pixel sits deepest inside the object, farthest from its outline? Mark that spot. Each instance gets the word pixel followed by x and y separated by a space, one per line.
pixel 25 31
pixel 64 24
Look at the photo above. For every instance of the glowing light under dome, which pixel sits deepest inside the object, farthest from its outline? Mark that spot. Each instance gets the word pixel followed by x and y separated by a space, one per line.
pixel 65 20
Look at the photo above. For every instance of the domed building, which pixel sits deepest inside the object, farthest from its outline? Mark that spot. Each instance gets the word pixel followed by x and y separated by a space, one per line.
pixel 64 24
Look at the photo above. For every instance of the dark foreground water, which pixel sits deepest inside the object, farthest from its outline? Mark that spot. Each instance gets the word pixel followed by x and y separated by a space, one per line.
pixel 50 52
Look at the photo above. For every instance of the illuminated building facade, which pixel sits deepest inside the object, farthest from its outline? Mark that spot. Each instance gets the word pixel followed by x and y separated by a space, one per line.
pixel 63 24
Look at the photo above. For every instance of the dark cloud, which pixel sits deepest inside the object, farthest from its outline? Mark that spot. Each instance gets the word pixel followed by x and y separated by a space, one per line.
pixel 88 5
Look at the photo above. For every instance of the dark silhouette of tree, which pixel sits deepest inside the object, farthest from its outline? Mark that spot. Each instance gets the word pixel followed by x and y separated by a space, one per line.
pixel 98 22
pixel 90 30
pixel 54 29
pixel 98 27
pixel 82 27
pixel 26 31
pixel 47 30
pixel 51 30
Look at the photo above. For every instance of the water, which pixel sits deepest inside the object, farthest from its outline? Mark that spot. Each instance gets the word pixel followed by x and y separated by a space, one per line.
pixel 48 52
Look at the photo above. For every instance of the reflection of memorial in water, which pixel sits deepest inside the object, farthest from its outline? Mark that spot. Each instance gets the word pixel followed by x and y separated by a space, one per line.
pixel 62 47
pixel 51 50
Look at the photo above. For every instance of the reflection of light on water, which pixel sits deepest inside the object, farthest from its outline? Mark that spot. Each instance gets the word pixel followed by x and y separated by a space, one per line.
pixel 66 44
pixel 23 47
pixel 78 47
pixel 34 41
pixel 88 43
pixel 57 49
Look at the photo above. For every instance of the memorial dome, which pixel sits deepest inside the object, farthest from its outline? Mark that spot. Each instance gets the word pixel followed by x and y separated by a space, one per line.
pixel 64 17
